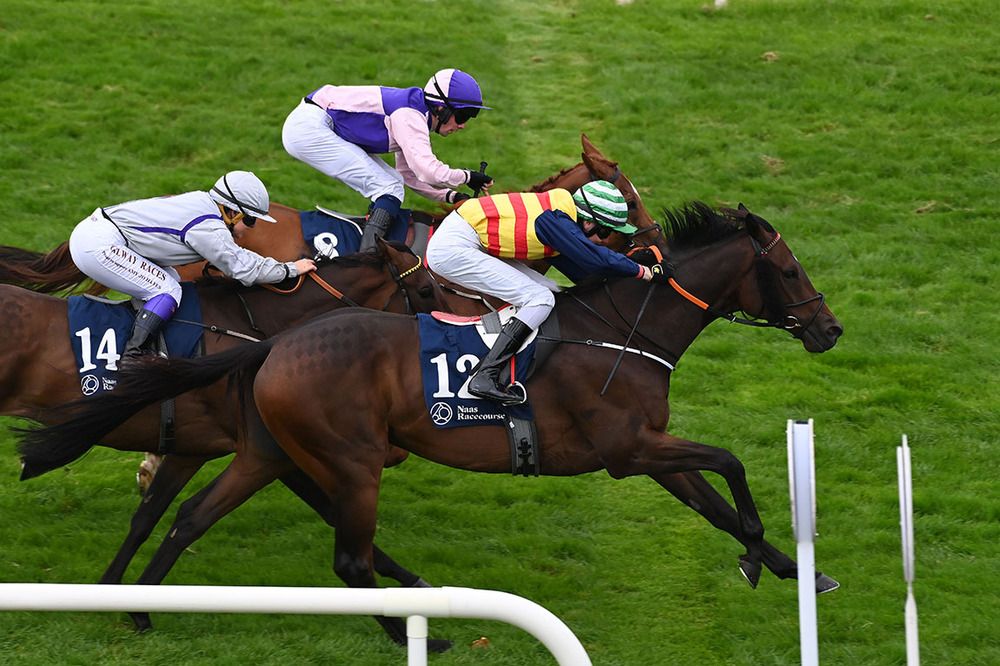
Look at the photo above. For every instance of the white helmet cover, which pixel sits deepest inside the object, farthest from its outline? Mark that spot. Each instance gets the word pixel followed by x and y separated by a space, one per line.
pixel 243 192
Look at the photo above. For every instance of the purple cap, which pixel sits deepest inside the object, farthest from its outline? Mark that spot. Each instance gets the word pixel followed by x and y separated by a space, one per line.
pixel 454 88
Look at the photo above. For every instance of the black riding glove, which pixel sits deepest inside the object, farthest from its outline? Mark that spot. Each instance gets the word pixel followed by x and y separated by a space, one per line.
pixel 454 197
pixel 478 180
pixel 662 272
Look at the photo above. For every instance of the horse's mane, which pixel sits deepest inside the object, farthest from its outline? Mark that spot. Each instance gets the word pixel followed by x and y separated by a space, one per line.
pixel 697 224
pixel 692 226
pixel 547 183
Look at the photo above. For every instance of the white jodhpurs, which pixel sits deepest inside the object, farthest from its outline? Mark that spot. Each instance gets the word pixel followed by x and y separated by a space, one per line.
pixel 456 254
pixel 308 136
pixel 99 250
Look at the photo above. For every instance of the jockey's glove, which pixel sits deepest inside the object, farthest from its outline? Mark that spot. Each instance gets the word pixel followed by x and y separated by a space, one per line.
pixel 478 180
pixel 454 197
pixel 659 273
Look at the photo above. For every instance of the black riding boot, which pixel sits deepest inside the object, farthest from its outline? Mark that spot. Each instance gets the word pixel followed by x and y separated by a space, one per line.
pixel 486 382
pixel 378 225
pixel 147 325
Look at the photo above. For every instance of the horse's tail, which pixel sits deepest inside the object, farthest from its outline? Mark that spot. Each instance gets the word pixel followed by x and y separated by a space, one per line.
pixel 49 273
pixel 83 423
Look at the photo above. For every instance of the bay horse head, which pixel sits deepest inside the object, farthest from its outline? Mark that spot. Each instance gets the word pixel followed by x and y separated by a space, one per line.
pixel 774 290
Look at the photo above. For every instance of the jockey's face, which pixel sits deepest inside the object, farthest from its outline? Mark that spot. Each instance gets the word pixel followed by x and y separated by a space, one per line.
pixel 595 232
pixel 450 127
pixel 234 221
pixel 445 128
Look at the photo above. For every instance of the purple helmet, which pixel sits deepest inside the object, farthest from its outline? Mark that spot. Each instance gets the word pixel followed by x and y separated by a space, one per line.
pixel 454 89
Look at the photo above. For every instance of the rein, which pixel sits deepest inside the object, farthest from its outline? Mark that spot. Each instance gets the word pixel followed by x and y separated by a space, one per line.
pixel 788 323
pixel 326 286
pixel 621 354
pixel 622 349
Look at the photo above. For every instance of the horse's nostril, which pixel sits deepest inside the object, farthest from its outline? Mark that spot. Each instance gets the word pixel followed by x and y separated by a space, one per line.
pixel 835 331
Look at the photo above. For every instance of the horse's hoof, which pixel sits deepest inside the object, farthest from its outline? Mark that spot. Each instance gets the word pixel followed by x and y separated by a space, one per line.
pixel 438 645
pixel 420 582
pixel 824 583
pixel 750 570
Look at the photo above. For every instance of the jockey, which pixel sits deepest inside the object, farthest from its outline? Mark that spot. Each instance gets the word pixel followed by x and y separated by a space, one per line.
pixel 341 130
pixel 482 244
pixel 132 247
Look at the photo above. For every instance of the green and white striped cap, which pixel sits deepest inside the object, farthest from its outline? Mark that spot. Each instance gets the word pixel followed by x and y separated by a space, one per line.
pixel 600 202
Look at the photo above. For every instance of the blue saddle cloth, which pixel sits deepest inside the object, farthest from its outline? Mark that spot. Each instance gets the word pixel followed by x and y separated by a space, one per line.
pixel 448 353
pixel 99 330
pixel 334 237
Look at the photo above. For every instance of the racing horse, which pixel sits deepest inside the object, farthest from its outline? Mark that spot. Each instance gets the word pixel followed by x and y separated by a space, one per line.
pixel 38 371
pixel 54 272
pixel 728 263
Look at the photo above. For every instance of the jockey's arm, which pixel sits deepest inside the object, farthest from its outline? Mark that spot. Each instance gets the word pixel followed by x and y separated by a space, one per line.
pixel 214 243
pixel 578 257
pixel 422 171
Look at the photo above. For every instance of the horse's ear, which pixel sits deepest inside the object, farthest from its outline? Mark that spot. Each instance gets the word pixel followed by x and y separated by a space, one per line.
pixel 743 208
pixel 590 151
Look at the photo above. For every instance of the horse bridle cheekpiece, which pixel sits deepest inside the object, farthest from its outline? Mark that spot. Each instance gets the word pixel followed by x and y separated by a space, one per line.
pixel 248 219
pixel 778 316
pixel 398 277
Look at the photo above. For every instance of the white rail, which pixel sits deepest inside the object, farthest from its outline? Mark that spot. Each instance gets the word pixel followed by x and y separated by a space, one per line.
pixel 906 527
pixel 415 604
pixel 802 487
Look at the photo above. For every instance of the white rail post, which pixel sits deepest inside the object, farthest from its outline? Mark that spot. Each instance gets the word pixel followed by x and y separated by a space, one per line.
pixel 801 486
pixel 906 527
pixel 415 604
pixel 416 640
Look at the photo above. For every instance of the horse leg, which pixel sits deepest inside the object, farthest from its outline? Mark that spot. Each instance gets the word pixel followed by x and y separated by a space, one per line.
pixel 311 494
pixel 661 453
pixel 350 476
pixel 173 475
pixel 244 476
pixel 695 491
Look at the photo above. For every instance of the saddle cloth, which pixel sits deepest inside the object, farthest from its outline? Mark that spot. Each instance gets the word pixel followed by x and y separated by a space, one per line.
pixel 99 328
pixel 332 234
pixel 450 348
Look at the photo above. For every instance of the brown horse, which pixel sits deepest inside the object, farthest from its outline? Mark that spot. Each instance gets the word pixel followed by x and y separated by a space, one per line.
pixel 725 264
pixel 54 272
pixel 37 369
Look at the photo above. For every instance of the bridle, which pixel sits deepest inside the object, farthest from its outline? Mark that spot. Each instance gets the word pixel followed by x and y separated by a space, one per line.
pixel 401 286
pixel 785 321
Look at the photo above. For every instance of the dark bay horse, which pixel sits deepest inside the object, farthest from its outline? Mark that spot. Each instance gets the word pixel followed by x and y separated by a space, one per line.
pixel 37 369
pixel 725 264
pixel 54 272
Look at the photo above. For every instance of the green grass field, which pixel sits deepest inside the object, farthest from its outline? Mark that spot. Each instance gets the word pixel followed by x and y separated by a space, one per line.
pixel 865 131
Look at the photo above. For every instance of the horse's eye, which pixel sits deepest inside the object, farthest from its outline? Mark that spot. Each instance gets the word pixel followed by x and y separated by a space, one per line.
pixel 426 291
pixel 790 273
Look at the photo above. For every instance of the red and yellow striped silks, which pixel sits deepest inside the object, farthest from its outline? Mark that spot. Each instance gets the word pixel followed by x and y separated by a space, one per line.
pixel 506 222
